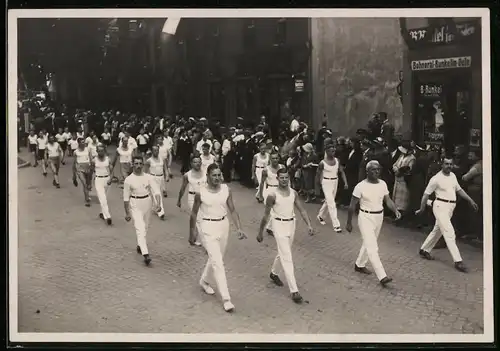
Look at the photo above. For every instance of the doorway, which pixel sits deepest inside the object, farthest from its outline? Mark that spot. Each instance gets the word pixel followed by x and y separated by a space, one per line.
pixel 217 101
pixel 442 107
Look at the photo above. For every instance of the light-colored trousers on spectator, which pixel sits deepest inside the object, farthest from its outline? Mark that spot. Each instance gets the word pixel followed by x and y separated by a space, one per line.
pixel 443 212
pixel 370 225
pixel 284 233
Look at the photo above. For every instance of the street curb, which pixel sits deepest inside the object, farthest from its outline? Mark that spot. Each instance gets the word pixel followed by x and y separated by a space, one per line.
pixel 24 165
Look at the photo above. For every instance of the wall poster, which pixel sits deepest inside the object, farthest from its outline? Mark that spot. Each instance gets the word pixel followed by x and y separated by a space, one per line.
pixel 431 112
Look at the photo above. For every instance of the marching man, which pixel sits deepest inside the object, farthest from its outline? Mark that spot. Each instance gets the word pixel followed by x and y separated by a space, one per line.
pixel 213 202
pixel 280 206
pixel 124 153
pixel 445 186
pixel 328 176
pixel 101 165
pixel 371 194
pixel 195 179
pixel 269 183
pixel 259 163
pixel 157 168
pixel 138 190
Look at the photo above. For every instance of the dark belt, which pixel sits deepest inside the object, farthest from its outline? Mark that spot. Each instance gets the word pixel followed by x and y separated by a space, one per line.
pixel 102 176
pixel 330 178
pixel 371 212
pixel 448 201
pixel 157 175
pixel 259 167
pixel 192 193
pixel 214 219
pixel 139 197
pixel 284 219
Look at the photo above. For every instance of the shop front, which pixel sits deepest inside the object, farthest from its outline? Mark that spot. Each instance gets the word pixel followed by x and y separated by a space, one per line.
pixel 444 72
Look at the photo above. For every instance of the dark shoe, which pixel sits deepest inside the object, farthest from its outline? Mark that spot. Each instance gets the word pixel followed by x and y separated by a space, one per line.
pixel 139 249
pixel 87 204
pixel 109 221
pixel 101 216
pixel 165 195
pixel 426 255
pixel 297 298
pixel 44 174
pixel 276 279
pixel 58 186
pixel 54 182
pixel 147 260
pixel 162 217
pixel 459 266
pixel 385 281
pixel 269 232
pixel 63 162
pixel 363 270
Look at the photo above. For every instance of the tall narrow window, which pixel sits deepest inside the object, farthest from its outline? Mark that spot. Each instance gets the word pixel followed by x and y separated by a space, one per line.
pixel 249 33
pixel 280 35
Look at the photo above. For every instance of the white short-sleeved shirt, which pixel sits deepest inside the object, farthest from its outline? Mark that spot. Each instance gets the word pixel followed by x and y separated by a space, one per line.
pixel 88 140
pixel 73 144
pixel 106 136
pixel 141 185
pixel 132 144
pixel 121 135
pixel 32 139
pixel 444 186
pixel 125 155
pixel 371 195
pixel 67 135
pixel 61 138
pixel 168 142
pixel 142 140
pixel 200 144
pixel 42 143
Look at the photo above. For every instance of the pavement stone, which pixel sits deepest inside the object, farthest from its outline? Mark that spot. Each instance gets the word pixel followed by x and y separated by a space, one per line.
pixel 84 276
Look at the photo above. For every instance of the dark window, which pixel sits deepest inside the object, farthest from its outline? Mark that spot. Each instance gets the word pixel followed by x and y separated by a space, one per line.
pixel 249 33
pixel 280 36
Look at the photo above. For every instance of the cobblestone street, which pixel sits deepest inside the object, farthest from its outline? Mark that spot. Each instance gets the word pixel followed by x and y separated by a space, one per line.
pixel 83 276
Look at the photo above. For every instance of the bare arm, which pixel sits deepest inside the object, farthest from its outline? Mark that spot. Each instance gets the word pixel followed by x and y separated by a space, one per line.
pixel 182 189
pixel 466 197
pixel 234 215
pixel 392 206
pixel 352 208
pixel 319 177
pixel 267 213
pixel 254 161
pixel 300 207
pixel 115 159
pixel 126 198
pixel 147 166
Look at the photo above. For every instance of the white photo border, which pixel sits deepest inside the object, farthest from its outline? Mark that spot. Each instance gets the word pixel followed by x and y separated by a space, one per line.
pixel 16 337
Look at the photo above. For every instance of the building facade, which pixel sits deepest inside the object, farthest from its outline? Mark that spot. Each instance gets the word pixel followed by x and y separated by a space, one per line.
pixel 344 69
pixel 442 80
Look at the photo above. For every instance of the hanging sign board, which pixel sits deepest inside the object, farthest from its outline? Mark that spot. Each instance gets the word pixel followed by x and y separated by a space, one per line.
pixel 299 85
pixel 441 63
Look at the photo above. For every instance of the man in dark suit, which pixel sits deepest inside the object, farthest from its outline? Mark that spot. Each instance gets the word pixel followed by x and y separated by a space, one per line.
pixel 351 169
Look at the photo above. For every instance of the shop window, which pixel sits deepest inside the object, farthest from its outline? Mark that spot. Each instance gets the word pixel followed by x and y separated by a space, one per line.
pixel 280 35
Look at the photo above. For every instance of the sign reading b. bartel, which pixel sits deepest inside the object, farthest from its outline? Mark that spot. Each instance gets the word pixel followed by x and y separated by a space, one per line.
pixel 441 63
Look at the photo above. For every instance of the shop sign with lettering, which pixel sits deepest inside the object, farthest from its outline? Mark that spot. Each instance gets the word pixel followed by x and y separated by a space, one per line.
pixel 441 63
pixel 299 85
pixel 434 138
pixel 443 34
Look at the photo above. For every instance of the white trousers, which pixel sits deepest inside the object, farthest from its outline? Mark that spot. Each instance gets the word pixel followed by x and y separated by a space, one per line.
pixel 443 212
pixel 330 191
pixel 140 211
pixel 214 236
pixel 370 225
pixel 284 233
pixel 258 175
pixel 190 201
pixel 101 189
pixel 160 183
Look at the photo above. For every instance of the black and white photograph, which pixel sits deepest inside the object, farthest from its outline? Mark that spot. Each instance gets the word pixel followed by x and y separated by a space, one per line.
pixel 256 175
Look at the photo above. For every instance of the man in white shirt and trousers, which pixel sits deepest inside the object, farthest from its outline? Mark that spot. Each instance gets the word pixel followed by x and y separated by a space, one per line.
pixel 445 186
pixel 280 205
pixel 138 190
pixel 371 194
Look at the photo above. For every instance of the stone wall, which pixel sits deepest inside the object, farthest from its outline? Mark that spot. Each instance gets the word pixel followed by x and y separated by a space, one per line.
pixel 355 66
